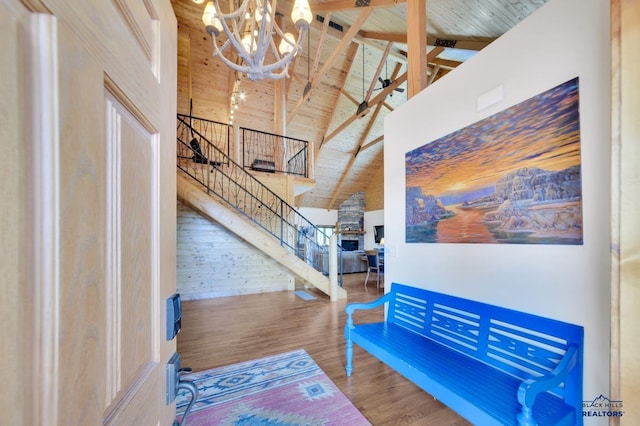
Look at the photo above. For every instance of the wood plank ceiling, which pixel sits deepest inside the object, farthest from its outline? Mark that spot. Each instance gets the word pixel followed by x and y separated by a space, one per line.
pixel 348 49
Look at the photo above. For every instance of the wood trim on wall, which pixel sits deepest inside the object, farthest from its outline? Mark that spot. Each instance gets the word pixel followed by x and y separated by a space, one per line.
pixel 625 207
pixel 374 194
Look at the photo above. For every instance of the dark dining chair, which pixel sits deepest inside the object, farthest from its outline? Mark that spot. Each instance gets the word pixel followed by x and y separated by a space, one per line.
pixel 373 265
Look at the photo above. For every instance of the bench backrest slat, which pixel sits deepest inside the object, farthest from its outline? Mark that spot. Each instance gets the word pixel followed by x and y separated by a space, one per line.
pixel 410 312
pixel 521 344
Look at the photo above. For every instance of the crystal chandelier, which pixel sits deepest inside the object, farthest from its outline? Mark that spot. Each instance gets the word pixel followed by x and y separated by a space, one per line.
pixel 250 30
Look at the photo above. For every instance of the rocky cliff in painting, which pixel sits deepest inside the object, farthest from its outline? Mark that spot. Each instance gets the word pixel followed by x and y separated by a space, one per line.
pixel 539 185
pixel 423 209
pixel 537 200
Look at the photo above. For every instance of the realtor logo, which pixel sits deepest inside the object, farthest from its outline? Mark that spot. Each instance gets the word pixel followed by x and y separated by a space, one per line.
pixel 602 407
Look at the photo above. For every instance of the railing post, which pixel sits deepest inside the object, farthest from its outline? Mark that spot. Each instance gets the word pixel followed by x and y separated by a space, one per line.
pixel 281 223
pixel 333 267
pixel 206 168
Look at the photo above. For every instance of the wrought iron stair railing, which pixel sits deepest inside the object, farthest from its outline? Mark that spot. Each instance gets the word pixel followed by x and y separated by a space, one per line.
pixel 208 164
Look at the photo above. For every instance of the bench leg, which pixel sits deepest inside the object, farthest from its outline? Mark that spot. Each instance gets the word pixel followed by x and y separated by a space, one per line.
pixel 525 417
pixel 349 353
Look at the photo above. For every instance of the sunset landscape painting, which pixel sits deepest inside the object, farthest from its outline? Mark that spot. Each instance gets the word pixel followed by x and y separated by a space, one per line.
pixel 512 178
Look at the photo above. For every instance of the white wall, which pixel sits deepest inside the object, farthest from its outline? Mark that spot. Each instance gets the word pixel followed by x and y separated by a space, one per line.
pixel 562 40
pixel 371 219
pixel 319 216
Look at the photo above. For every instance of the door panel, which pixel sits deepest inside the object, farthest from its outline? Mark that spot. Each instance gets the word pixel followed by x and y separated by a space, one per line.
pixel 131 174
pixel 90 234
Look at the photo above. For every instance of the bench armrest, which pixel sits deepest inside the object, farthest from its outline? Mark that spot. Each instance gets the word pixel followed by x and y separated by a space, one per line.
pixel 530 388
pixel 352 307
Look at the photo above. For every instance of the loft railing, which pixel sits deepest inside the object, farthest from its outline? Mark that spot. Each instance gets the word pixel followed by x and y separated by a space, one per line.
pixel 219 134
pixel 204 161
pixel 268 152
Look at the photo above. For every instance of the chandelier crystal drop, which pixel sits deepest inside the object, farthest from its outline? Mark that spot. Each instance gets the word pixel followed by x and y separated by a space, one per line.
pixel 250 31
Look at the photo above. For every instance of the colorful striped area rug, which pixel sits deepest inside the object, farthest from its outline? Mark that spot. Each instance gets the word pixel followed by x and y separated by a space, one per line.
pixel 284 390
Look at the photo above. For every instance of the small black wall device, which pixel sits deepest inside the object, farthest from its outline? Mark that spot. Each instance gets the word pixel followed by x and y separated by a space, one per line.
pixel 174 316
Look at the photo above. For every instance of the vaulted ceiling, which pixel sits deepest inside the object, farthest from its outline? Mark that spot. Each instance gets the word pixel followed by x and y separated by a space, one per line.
pixel 348 50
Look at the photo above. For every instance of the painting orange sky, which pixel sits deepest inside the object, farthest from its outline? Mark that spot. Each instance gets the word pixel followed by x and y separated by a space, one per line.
pixel 542 132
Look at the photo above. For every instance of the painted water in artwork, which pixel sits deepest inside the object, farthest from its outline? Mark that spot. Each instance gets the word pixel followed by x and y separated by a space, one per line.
pixel 512 178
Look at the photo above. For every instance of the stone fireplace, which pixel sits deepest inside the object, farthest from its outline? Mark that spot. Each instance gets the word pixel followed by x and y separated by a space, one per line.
pixel 351 221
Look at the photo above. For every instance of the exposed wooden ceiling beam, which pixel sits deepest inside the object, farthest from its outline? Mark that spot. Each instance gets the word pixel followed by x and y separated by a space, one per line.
pixel 401 57
pixel 375 101
pixel 352 4
pixel 340 128
pixel 372 143
pixel 316 60
pixel 390 88
pixel 296 77
pixel 385 36
pixel 346 39
pixel 361 141
pixel 475 45
pixel 433 75
pixel 336 192
pixel 352 51
pixel 367 130
pixel 446 63
pixel 350 97
pixel 394 75
pixel 433 53
pixel 416 46
pixel 374 80
pixel 292 74
pixel 395 53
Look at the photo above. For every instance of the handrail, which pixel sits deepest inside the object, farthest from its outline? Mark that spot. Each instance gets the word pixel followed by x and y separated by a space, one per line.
pixel 273 153
pixel 219 174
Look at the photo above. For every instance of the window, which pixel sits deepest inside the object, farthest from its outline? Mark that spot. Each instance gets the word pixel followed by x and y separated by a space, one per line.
pixel 322 237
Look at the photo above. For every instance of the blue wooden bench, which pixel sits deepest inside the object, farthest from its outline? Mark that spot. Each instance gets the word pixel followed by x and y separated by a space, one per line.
pixel 493 366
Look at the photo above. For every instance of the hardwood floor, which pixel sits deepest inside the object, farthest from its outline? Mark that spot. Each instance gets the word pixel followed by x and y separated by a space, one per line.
pixel 217 332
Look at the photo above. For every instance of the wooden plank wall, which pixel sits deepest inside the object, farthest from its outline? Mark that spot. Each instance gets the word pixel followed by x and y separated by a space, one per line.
pixel 212 262
pixel 374 195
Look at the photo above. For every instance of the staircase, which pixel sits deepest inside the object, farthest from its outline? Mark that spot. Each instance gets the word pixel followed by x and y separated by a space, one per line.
pixel 211 183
